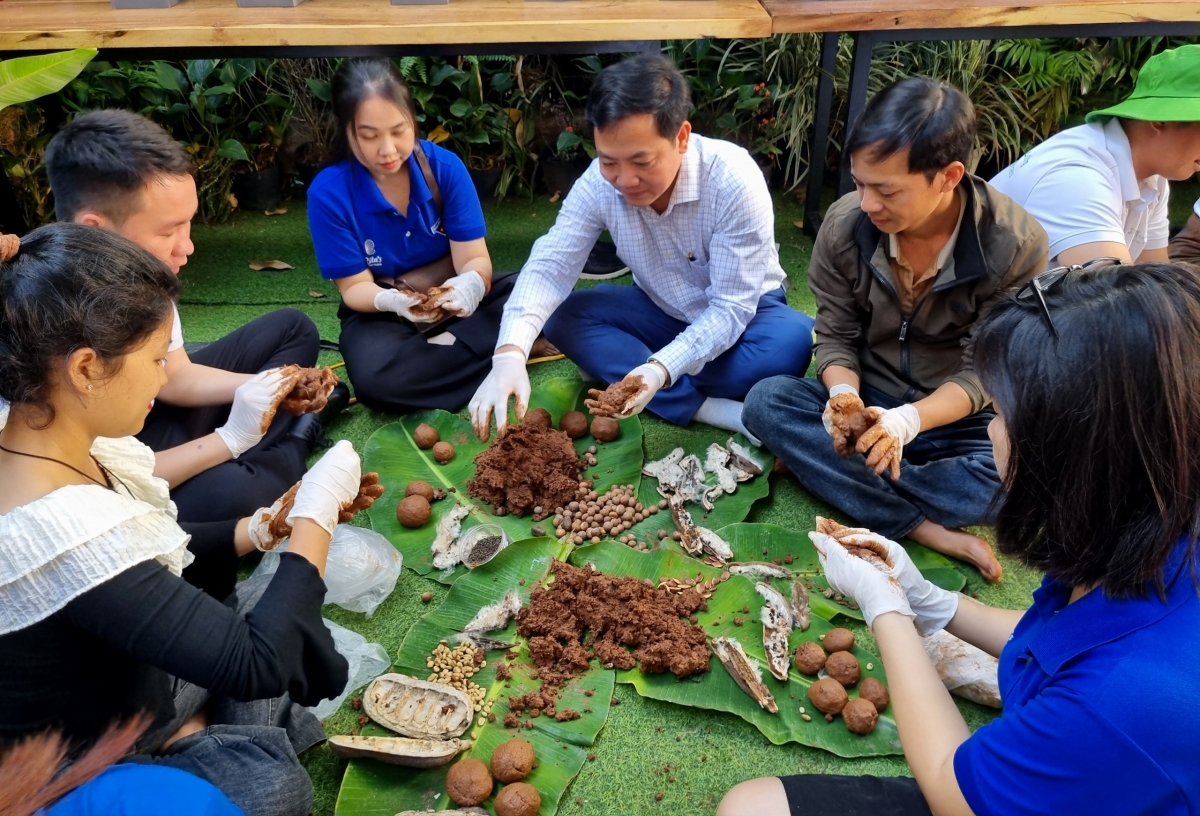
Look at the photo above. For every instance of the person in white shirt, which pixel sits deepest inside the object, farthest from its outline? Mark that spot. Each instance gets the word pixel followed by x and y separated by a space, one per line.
pixel 706 317
pixel 217 438
pixel 1100 189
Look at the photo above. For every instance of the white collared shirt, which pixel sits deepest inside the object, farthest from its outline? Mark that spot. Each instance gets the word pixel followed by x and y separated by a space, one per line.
pixel 1080 185
pixel 705 261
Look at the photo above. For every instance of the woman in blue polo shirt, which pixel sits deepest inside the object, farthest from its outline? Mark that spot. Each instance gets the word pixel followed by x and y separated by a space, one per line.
pixel 375 215
pixel 1097 426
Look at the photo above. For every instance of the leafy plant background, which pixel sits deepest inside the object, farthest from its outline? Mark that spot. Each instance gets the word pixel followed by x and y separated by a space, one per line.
pixel 512 112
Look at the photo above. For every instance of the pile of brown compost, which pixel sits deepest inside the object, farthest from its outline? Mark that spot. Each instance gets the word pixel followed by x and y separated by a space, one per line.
pixel 585 614
pixel 529 469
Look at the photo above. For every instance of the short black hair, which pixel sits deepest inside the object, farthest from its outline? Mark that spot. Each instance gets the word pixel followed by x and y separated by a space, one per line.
pixel 1103 424
pixel 71 287
pixel 647 84
pixel 356 81
pixel 103 159
pixel 935 121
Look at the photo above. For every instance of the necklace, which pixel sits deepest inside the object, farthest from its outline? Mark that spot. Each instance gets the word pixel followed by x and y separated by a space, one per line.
pixel 108 475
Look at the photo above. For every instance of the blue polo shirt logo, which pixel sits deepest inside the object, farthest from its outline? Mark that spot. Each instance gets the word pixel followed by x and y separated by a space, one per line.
pixel 373 260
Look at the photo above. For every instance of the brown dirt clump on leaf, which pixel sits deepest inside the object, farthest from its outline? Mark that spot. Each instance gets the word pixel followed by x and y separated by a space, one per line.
pixel 413 511
pixel 528 467
pixel 540 417
pixel 611 401
pixel 512 761
pixel 311 390
pixel 574 424
pixel 618 614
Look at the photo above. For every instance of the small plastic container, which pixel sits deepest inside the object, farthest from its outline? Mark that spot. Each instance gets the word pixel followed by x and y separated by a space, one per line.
pixel 472 540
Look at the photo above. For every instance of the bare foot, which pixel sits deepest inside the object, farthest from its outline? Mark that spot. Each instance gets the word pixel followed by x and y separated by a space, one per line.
pixel 961 545
pixel 542 348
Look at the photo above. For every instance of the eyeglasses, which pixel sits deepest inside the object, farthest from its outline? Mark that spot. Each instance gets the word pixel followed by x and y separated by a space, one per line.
pixel 1040 284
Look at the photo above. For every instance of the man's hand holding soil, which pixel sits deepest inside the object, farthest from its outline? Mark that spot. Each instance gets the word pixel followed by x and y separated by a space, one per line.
pixel 883 443
pixel 844 418
pixel 630 395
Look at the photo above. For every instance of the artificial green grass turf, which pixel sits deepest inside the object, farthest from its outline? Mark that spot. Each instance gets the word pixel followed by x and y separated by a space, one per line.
pixel 698 755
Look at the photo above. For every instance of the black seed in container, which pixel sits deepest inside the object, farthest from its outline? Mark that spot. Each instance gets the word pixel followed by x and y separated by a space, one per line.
pixel 484 549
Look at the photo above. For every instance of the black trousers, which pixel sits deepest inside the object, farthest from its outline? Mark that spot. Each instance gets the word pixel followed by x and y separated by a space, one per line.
pixel 394 368
pixel 262 474
pixel 829 795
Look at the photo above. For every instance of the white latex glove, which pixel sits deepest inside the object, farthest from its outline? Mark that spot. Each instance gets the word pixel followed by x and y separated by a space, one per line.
pixel 254 404
pixel 508 378
pixel 932 605
pixel 874 590
pixel 883 443
pixel 464 294
pixel 400 303
pixel 261 520
pixel 333 481
pixel 654 377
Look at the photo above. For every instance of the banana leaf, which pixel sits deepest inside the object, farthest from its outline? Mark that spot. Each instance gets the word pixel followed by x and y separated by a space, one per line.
pixel 24 79
pixel 728 509
pixel 373 789
pixel 715 689
pixel 392 452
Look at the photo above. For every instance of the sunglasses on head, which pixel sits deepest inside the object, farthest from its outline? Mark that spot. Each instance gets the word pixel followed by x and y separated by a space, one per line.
pixel 1040 284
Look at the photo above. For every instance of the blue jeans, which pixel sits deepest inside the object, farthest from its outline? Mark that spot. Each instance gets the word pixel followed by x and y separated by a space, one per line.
pixel 947 475
pixel 610 330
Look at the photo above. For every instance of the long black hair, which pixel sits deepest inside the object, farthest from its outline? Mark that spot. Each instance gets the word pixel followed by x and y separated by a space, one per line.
pixel 1103 424
pixel 71 287
pixel 356 81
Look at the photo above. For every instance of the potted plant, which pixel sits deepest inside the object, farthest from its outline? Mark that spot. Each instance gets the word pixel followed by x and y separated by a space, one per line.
pixel 260 188
pixel 573 153
pixel 476 126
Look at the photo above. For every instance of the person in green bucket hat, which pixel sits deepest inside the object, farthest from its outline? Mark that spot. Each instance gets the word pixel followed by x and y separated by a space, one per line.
pixel 1100 189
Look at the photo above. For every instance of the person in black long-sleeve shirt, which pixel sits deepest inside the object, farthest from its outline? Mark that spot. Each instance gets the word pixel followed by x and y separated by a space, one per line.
pixel 105 610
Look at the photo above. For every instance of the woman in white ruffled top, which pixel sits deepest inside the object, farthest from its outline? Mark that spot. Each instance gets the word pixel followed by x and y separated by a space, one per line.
pixel 104 611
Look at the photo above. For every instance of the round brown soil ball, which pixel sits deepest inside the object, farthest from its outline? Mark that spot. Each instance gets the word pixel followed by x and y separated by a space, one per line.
pixel 443 452
pixel 843 667
pixel 574 424
pixel 860 716
pixel 875 691
pixel 828 695
pixel 419 488
pixel 539 417
pixel 512 761
pixel 605 429
pixel 426 436
pixel 413 511
pixel 469 782
pixel 518 799
pixel 838 640
pixel 810 658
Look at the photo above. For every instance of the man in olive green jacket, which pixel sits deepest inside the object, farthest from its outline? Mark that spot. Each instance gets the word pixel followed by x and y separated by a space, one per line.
pixel 901 270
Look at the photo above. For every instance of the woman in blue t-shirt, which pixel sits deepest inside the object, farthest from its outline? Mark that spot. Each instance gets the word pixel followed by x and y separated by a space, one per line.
pixel 392 204
pixel 1097 426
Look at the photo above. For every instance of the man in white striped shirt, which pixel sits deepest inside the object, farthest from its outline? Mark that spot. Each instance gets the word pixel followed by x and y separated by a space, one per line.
pixel 706 317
